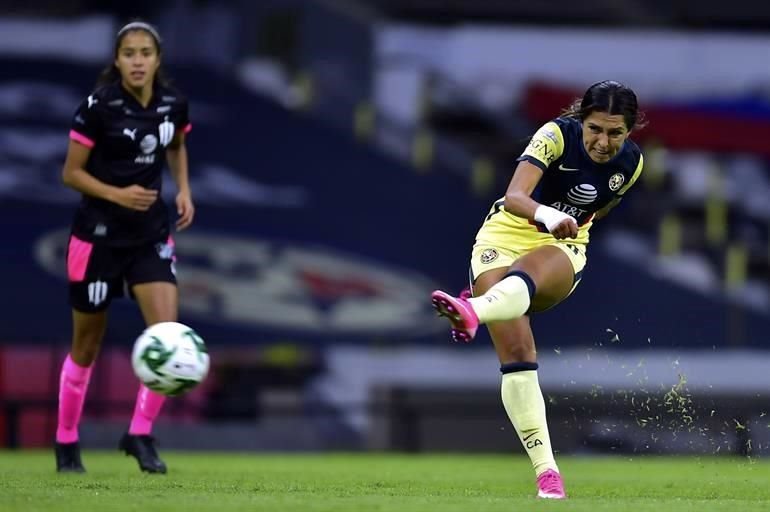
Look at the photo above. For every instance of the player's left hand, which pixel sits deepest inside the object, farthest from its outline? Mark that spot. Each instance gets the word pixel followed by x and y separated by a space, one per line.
pixel 185 209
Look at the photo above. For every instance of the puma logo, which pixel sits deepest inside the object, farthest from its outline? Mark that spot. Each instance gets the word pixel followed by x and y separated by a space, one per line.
pixel 131 133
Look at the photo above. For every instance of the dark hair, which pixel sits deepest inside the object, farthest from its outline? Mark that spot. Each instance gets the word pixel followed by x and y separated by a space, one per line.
pixel 111 73
pixel 611 97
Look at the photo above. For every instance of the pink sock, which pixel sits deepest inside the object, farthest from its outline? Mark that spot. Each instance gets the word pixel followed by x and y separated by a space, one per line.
pixel 148 404
pixel 73 385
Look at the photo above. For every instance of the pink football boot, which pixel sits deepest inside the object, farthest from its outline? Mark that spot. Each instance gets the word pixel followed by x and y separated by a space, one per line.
pixel 460 313
pixel 550 486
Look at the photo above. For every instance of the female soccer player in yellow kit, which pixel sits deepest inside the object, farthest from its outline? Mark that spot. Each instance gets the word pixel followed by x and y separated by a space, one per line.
pixel 531 249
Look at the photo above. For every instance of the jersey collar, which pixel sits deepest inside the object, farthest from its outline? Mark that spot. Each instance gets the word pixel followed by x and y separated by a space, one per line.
pixel 129 98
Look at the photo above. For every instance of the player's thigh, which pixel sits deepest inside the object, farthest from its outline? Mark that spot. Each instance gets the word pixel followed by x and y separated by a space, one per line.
pixel 94 272
pixel 513 340
pixel 151 278
pixel 553 273
pixel 489 264
pixel 158 301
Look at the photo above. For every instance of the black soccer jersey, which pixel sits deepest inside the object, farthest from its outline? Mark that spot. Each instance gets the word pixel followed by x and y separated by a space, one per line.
pixel 128 143
pixel 572 182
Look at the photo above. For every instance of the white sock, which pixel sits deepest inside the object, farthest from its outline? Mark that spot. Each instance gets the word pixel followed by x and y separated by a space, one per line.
pixel 506 300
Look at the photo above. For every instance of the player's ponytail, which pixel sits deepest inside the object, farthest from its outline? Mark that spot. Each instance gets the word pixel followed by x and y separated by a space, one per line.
pixel 573 110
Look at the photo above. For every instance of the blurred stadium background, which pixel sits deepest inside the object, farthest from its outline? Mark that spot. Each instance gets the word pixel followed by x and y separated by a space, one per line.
pixel 331 140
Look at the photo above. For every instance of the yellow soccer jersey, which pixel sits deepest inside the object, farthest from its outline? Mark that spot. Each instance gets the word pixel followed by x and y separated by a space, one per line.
pixel 571 183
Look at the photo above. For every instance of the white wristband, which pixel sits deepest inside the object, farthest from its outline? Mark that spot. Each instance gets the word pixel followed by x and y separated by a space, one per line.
pixel 551 217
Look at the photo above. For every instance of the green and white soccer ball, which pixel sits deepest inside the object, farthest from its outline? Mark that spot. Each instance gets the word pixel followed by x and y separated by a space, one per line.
pixel 170 358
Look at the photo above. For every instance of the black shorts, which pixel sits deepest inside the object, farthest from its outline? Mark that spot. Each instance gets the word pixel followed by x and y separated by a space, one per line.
pixel 98 273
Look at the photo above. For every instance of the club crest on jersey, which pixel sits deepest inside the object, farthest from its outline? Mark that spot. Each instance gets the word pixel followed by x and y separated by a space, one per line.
pixel 166 132
pixel 488 255
pixel 616 181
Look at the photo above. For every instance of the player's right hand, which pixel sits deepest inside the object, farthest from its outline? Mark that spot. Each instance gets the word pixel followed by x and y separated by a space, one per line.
pixel 565 229
pixel 136 197
pixel 558 223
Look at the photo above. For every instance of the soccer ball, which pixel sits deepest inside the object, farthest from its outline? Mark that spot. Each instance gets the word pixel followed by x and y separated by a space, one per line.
pixel 170 358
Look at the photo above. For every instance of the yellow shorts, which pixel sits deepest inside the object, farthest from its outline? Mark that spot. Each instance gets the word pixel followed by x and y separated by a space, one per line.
pixel 504 238
pixel 488 256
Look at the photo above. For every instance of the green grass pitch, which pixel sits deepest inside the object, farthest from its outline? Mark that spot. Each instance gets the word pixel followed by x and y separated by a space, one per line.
pixel 217 482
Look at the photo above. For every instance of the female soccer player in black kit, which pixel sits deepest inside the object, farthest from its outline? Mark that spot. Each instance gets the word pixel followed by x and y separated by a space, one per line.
pixel 120 138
